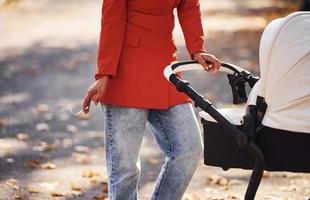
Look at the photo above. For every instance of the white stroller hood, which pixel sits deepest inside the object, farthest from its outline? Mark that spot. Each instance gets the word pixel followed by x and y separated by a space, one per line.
pixel 285 73
pixel 285 76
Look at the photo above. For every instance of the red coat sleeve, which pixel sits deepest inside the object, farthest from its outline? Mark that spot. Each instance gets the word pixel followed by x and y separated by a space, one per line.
pixel 190 19
pixel 113 25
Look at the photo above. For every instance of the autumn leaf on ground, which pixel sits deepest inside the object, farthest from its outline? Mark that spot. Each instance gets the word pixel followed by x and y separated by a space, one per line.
pixel 33 190
pixel 222 182
pixel 52 147
pixel 104 187
pixel 22 136
pixel 234 196
pixel 42 108
pixel 94 180
pixel 267 174
pixel 101 197
pixel 48 165
pixel 12 183
pixel 34 163
pixel 76 187
pixel 216 180
pixel 213 179
pixel 90 174
pixel 57 194
pixel 82 149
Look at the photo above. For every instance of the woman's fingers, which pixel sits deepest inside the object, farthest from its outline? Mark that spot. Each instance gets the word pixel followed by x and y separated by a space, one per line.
pixel 202 61
pixel 96 89
pixel 98 96
pixel 213 63
pixel 208 61
pixel 87 100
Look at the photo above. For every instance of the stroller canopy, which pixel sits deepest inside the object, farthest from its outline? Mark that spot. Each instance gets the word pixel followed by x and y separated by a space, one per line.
pixel 285 73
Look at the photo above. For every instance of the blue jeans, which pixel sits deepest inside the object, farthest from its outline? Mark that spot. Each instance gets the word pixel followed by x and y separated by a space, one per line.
pixel 176 131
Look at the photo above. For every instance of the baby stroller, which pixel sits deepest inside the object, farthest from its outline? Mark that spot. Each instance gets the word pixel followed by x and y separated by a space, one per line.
pixel 271 131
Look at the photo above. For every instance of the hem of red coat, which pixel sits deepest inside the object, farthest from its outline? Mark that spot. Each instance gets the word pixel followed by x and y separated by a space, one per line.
pixel 146 106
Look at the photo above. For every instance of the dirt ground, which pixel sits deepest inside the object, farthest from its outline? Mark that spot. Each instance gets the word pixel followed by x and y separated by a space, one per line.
pixel 47 61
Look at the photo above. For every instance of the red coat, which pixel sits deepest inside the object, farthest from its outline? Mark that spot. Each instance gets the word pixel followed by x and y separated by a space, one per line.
pixel 136 44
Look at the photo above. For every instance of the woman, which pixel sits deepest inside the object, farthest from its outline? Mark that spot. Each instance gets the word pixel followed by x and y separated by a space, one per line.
pixel 136 44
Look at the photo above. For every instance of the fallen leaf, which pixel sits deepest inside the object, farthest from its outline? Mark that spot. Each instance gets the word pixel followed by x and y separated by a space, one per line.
pixel 12 183
pixel 94 180
pixel 33 190
pixel 222 182
pixel 52 147
pixel 101 197
pixel 104 188
pixel 57 194
pixel 48 165
pixel 43 108
pixel 90 174
pixel 212 179
pixel 82 149
pixel 234 196
pixel 17 196
pixel 22 136
pixel 42 127
pixel 33 163
pixel 76 187
pixel 266 174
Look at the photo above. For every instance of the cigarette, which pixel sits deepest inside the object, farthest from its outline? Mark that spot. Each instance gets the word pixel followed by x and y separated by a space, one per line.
pixel 81 115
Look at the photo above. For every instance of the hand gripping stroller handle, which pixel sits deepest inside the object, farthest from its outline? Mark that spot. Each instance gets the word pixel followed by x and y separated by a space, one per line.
pixel 225 67
pixel 194 65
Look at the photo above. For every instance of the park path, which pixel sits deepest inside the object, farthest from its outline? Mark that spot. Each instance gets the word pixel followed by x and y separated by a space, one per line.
pixel 47 60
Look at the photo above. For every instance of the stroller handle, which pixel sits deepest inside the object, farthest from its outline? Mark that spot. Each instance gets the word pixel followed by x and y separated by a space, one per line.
pixel 194 65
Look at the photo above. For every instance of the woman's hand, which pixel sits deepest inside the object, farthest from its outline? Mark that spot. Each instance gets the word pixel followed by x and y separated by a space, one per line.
pixel 97 88
pixel 209 62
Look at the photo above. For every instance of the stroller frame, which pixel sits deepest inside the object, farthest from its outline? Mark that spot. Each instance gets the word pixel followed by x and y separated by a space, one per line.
pixel 242 139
